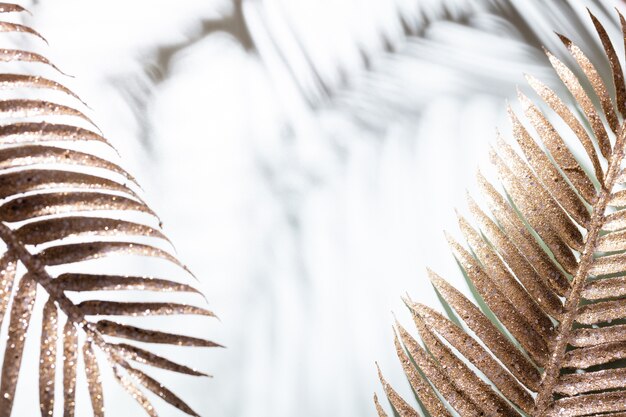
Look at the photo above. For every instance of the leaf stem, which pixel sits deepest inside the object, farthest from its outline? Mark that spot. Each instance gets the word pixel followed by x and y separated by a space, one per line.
pixel 43 278
pixel 553 368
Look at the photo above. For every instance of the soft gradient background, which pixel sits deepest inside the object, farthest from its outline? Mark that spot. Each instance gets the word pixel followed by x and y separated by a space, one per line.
pixel 305 156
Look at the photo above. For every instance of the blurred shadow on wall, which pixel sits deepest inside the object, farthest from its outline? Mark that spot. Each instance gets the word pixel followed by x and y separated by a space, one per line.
pixel 394 71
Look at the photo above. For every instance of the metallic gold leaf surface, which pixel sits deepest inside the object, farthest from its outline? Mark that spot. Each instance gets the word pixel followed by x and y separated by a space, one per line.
pixel 537 286
pixel 154 386
pixel 618 199
pixel 19 182
pixel 63 203
pixel 591 336
pixel 522 237
pixel 124 331
pixel 401 407
pixel 148 358
pixel 471 349
pixel 526 193
pixel 48 358
pixel 605 288
pixel 575 384
pixel 15 27
pixel 10 7
pixel 547 265
pixel 616 67
pixel 467 382
pixel 615 221
pixel 548 172
pixel 115 308
pixel 498 343
pixel 612 242
pixel 8 264
pixel 21 156
pixel 604 403
pixel 21 108
pixel 21 311
pixel 438 377
pixel 37 133
pixel 601 312
pixel 79 252
pixel 13 81
pixel 135 392
pixel 420 386
pixel 32 206
pixel 379 409
pixel 11 55
pixel 574 86
pixel 586 188
pixel 94 381
pixel 49 230
pixel 92 282
pixel 536 188
pixel 597 354
pixel 596 82
pixel 506 282
pixel 70 362
pixel 502 307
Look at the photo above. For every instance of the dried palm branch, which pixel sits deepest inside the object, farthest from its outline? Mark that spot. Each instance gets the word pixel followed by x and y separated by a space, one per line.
pixel 548 265
pixel 60 209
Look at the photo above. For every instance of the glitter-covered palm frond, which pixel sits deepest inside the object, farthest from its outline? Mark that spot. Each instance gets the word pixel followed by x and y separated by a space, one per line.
pixel 547 266
pixel 62 208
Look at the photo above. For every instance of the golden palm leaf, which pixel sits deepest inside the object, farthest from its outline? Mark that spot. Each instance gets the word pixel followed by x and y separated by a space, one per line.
pixel 548 265
pixel 59 209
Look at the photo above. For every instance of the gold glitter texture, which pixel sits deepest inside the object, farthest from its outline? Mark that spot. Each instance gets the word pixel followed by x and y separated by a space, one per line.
pixel 21 311
pixel 48 358
pixel 94 381
pixel 57 192
pixel 124 331
pixel 547 264
pixel 70 361
pixel 29 207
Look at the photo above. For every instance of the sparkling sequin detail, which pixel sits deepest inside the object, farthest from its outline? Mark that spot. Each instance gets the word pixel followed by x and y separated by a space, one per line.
pixel 547 265
pixel 64 202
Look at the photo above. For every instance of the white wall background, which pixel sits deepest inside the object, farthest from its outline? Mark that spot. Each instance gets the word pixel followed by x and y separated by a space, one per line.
pixel 305 157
